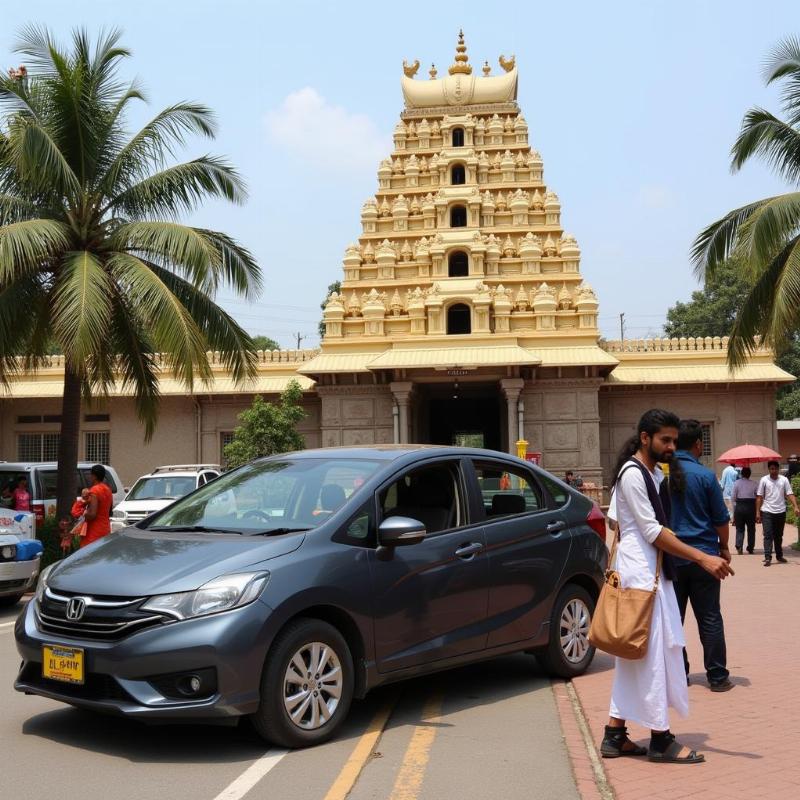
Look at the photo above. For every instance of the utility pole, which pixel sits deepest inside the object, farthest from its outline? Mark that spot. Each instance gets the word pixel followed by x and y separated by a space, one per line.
pixel 299 338
pixel 622 326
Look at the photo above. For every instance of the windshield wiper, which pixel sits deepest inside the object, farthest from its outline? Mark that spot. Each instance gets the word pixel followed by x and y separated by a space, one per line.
pixel 276 531
pixel 192 529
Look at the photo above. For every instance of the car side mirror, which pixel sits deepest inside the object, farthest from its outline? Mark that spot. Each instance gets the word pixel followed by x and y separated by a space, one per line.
pixel 400 531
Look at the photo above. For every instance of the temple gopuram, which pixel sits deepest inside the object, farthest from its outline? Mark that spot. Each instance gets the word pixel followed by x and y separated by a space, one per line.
pixel 462 319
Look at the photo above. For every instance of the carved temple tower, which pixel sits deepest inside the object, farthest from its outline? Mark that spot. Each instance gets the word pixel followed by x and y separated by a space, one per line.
pixel 463 316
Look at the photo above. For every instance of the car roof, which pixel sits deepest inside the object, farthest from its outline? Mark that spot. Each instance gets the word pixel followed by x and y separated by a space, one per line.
pixel 26 465
pixel 395 452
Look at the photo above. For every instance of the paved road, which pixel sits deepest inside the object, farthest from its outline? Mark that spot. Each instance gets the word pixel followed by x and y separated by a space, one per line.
pixel 489 730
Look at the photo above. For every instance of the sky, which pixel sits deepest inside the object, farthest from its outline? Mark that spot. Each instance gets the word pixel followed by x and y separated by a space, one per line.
pixel 634 107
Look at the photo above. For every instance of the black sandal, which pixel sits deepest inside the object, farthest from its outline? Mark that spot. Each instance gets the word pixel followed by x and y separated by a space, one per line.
pixel 665 748
pixel 614 741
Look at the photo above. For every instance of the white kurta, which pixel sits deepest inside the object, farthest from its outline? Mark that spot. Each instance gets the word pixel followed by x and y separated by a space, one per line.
pixel 645 689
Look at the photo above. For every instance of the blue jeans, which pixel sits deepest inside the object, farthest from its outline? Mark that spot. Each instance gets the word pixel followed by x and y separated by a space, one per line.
pixel 702 589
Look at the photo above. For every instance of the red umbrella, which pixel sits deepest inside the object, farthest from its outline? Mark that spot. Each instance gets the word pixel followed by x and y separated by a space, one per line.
pixel 749 454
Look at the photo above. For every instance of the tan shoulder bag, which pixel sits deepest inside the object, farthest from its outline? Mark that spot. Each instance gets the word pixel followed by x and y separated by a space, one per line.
pixel 621 621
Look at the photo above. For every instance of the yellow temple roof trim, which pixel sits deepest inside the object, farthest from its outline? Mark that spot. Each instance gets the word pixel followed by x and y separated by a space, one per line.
pixel 639 374
pixel 337 362
pixel 450 357
pixel 590 355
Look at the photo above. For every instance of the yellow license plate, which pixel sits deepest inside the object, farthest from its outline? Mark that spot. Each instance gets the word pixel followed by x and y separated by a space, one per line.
pixel 62 663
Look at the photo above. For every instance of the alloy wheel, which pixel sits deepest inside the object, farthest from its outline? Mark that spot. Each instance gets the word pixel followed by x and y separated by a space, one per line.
pixel 574 630
pixel 312 686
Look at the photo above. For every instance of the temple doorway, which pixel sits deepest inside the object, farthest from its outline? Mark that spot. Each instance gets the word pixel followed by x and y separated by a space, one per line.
pixel 466 415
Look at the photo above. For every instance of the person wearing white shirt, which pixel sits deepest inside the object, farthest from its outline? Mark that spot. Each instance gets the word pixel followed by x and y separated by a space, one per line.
pixel 645 689
pixel 773 492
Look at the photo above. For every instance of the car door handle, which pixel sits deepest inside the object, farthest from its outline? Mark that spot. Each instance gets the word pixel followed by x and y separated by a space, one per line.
pixel 556 526
pixel 467 551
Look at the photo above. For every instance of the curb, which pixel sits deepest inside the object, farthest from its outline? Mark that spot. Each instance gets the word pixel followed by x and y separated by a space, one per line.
pixel 587 767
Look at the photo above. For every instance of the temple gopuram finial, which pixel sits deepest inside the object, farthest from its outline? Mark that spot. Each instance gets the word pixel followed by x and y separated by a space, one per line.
pixel 461 65
pixel 432 72
pixel 507 64
pixel 486 68
pixel 410 70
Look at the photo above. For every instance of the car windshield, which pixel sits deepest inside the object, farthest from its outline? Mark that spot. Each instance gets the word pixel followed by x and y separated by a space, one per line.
pixel 270 496
pixel 167 487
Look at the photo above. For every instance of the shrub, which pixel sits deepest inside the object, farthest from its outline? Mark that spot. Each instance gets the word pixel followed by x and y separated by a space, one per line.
pixel 47 533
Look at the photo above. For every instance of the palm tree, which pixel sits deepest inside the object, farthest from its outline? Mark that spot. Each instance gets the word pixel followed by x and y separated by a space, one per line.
pixel 93 258
pixel 764 235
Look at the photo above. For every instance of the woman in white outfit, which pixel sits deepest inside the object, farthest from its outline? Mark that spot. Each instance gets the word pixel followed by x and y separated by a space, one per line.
pixel 645 689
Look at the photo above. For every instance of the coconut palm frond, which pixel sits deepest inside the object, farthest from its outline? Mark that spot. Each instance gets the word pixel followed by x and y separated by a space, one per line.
pixel 716 243
pixel 784 64
pixel 158 139
pixel 766 231
pixel 237 266
pixel 758 312
pixel 81 306
pixel 171 327
pixel 180 188
pixel 26 247
pixel 18 320
pixel 16 209
pixel 777 142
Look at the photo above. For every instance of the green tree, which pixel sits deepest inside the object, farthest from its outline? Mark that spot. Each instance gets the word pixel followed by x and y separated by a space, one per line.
pixel 336 286
pixel 94 261
pixel 265 343
pixel 267 428
pixel 764 235
pixel 712 311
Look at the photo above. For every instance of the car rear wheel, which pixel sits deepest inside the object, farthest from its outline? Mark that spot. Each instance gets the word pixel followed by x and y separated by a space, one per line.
pixel 306 686
pixel 568 653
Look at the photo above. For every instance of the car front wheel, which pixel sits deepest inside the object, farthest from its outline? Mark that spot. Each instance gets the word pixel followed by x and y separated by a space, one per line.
pixel 568 652
pixel 306 686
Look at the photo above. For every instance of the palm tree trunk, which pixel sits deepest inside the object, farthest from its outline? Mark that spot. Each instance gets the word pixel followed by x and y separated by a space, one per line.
pixel 67 481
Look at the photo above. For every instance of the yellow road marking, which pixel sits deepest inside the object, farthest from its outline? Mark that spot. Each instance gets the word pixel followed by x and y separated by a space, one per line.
pixel 361 752
pixel 418 752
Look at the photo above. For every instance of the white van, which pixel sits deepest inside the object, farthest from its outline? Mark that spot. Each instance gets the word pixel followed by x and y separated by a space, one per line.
pixel 42 478
pixel 158 489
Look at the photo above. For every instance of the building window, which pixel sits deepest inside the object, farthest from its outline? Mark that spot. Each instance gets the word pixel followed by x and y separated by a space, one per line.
pixel 707 457
pixel 37 446
pixel 458 137
pixel 458 319
pixel 225 438
pixel 458 217
pixel 458 265
pixel 98 447
pixel 458 175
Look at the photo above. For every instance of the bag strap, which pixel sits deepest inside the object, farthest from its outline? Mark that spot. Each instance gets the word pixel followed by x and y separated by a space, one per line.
pixel 618 536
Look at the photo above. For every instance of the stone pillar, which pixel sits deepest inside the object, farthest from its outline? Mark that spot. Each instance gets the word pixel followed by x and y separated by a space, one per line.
pixel 401 391
pixel 511 389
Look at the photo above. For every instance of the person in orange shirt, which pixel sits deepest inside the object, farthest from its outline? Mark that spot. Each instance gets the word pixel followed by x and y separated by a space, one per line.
pixel 98 510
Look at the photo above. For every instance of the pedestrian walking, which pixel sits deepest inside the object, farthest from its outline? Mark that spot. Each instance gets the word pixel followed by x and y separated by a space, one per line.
pixel 98 509
pixel 744 510
pixel 726 481
pixel 773 492
pixel 645 689
pixel 700 519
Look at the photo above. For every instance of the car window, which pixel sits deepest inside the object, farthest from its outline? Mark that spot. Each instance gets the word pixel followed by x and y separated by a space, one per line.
pixel 359 529
pixel 8 482
pixel 166 487
pixel 294 493
pixel 507 490
pixel 47 482
pixel 557 490
pixel 430 494
pixel 201 479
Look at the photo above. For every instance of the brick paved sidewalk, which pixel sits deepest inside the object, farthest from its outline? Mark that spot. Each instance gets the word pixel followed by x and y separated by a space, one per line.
pixel 750 735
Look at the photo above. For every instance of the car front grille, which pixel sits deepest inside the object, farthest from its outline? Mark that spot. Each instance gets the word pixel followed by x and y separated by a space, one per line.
pixel 138 516
pixel 103 618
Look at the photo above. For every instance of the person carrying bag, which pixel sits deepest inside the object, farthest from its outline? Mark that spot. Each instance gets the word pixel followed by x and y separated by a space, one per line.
pixel 637 616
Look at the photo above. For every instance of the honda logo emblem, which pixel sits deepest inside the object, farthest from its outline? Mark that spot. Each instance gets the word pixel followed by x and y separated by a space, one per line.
pixel 76 608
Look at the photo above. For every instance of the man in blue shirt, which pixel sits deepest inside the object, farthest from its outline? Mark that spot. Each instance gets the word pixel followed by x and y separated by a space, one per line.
pixel 700 519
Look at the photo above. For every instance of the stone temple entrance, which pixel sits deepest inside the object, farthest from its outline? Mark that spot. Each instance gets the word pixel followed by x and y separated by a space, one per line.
pixel 458 414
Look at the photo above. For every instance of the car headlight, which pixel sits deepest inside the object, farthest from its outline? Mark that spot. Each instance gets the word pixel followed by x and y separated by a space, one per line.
pixel 8 551
pixel 119 514
pixel 220 594
pixel 42 585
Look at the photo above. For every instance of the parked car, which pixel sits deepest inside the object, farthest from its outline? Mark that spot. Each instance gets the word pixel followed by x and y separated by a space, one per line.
pixel 163 486
pixel 42 482
pixel 387 562
pixel 20 555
